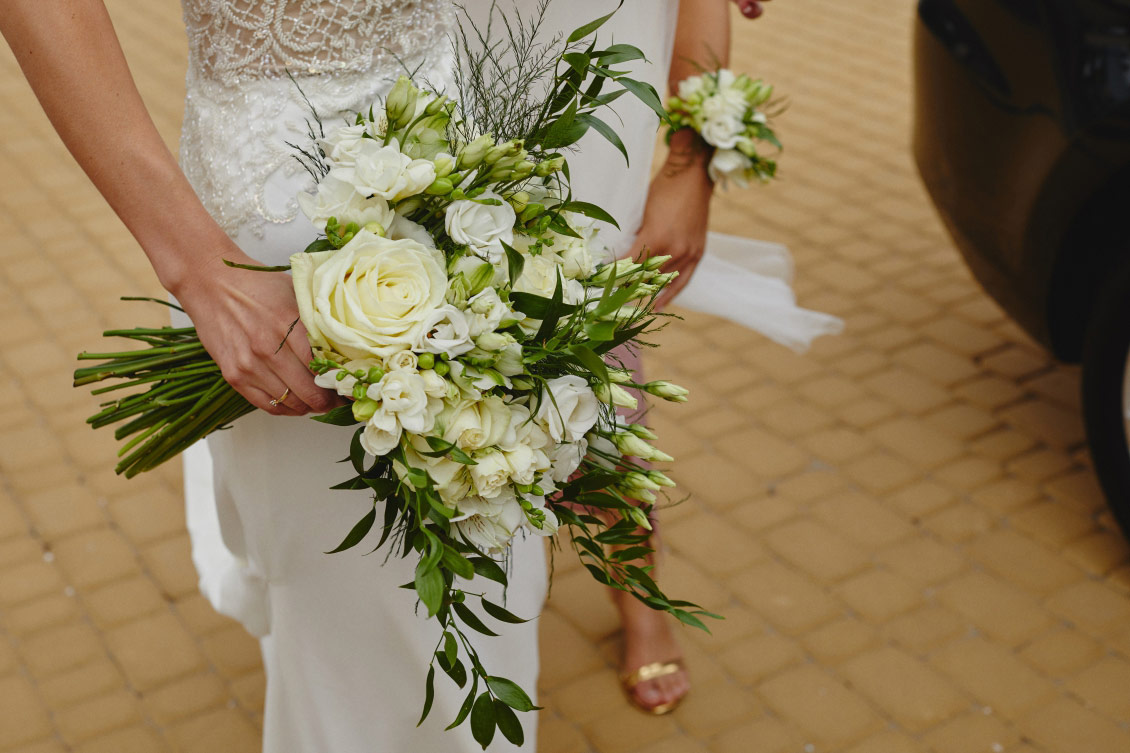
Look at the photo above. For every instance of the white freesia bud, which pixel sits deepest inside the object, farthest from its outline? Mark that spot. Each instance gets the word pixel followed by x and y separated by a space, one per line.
pixel 616 395
pixel 471 155
pixel 667 391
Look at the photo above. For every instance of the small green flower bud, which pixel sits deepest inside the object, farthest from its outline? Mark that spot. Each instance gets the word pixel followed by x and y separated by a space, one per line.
pixel 444 163
pixel 638 516
pixel 435 106
pixel 667 391
pixel 400 106
pixel 359 389
pixel 548 167
pixel 376 228
pixel 519 201
pixel 439 187
pixel 615 395
pixel 471 155
pixel 426 360
pixel 375 375
pixel 442 368
pixel 531 211
pixel 480 278
pixel 364 409
pixel 522 170
pixel 660 478
pixel 643 432
pixel 629 444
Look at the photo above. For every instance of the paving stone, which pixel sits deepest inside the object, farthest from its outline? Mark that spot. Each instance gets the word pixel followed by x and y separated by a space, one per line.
pixel 751 660
pixel 185 697
pixel 994 676
pixel 97 677
pixel 96 557
pixel 770 735
pixel 1002 611
pixel 1103 686
pixel 862 519
pixel 831 714
pixel 154 650
pixel 1061 724
pixel 817 549
pixel 878 595
pixel 913 694
pixel 61 648
pixel 785 598
pixel 138 739
pixel 972 732
pixel 1023 562
pixel 1061 652
pixel 233 651
pixel 224 729
pixel 32 617
pixel 1091 606
pixel 98 716
pixel 124 600
pixel 23 717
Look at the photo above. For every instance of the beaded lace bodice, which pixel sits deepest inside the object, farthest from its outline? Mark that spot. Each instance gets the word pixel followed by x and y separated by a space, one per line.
pixel 241 107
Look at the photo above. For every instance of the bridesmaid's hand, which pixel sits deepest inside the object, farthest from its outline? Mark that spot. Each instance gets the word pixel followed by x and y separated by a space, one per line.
pixel 751 8
pixel 677 210
pixel 243 318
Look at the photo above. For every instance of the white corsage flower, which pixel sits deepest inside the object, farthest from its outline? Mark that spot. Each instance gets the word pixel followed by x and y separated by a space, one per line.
pixel 568 408
pixel 381 435
pixel 402 394
pixel 729 164
pixel 482 227
pixel 722 133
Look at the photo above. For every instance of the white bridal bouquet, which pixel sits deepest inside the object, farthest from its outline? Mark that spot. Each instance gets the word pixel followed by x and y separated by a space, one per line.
pixel 724 108
pixel 454 299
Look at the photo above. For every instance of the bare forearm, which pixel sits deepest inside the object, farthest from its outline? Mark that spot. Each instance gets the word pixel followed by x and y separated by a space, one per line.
pixel 71 57
pixel 702 39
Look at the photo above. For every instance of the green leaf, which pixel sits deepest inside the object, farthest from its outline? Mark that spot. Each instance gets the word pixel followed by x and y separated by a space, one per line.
pixel 606 131
pixel 430 587
pixel 429 695
pixel 257 267
pixel 600 331
pixel 590 361
pixel 619 53
pixel 514 261
pixel 442 447
pixel 583 31
pixel 450 647
pixel 455 670
pixel 509 693
pixel 536 306
pixel 339 416
pixel 466 707
pixel 360 530
pixel 471 619
pixel 508 723
pixel 322 244
pixel 578 61
pixel 689 619
pixel 645 93
pixel 489 569
pixel 457 563
pixel 589 210
pixel 482 720
pixel 566 131
pixel 553 315
pixel 357 452
pixel 501 614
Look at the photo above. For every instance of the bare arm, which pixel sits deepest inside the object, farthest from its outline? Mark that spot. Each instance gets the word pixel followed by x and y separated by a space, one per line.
pixel 71 57
pixel 678 201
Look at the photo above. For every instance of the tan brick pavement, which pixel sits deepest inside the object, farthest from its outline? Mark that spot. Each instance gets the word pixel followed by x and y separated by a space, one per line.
pixel 901 526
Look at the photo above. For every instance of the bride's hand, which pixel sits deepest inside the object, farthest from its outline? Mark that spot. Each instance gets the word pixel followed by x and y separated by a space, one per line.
pixel 243 318
pixel 677 210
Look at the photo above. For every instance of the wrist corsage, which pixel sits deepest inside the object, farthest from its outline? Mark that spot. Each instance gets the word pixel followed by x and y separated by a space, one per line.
pixel 724 108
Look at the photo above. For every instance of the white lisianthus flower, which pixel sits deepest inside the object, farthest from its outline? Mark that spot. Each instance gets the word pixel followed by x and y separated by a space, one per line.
pixel 525 463
pixel 729 164
pixel 369 298
pixel 482 227
pixel 568 408
pixel 474 425
pixel 491 473
pixel 337 198
pixel 403 360
pixel 485 311
pixel 343 145
pixel 510 362
pixel 539 276
pixel 722 133
pixel 566 458
pixel 386 172
pixel 445 331
pixel 576 258
pixel 402 394
pixel 603 445
pixel 381 435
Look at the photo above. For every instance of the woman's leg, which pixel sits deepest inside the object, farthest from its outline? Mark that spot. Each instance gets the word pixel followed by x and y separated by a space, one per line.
pixel 647 633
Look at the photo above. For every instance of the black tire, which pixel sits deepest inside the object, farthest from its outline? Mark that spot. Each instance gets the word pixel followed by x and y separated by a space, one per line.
pixel 1105 400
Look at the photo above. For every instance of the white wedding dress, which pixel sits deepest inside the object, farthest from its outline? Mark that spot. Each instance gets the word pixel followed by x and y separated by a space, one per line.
pixel 344 649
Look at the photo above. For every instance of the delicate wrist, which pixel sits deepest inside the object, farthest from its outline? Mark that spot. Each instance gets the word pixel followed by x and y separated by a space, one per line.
pixel 688 154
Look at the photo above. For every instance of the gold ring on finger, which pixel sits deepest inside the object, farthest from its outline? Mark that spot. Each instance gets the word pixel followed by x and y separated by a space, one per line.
pixel 278 400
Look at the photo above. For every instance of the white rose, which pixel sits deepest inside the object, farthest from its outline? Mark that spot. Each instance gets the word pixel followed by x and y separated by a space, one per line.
pixel 370 297
pixel 525 463
pixel 402 394
pixel 343 145
pixel 445 331
pixel 722 133
pixel 526 432
pixel 490 474
pixel 482 227
pixel 386 172
pixel 381 435
pixel 729 164
pixel 337 198
pixel 539 274
pixel 566 458
pixel 403 360
pixel 474 425
pixel 568 408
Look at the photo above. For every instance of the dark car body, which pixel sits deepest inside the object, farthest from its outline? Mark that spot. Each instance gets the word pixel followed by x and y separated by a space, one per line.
pixel 1022 137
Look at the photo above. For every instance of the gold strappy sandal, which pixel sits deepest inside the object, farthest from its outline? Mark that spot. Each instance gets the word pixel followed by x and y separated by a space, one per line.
pixel 646 673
